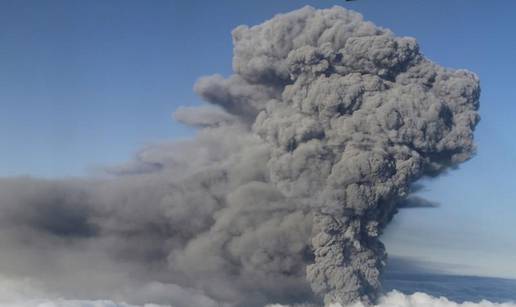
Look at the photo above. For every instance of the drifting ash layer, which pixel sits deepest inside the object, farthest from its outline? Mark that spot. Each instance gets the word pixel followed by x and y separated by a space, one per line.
pixel 313 141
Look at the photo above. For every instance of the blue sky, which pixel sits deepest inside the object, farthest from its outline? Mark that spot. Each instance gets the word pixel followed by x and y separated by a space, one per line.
pixel 87 83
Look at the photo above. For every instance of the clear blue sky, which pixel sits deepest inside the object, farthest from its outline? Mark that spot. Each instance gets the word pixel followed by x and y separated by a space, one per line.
pixel 86 83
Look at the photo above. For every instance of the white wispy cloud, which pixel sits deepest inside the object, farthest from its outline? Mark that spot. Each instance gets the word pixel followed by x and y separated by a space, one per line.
pixel 419 299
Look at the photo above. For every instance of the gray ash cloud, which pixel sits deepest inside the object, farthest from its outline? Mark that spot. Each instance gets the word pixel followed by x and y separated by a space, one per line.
pixel 315 139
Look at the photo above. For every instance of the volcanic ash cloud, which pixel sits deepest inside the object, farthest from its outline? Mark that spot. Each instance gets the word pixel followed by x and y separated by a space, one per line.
pixel 352 115
pixel 300 162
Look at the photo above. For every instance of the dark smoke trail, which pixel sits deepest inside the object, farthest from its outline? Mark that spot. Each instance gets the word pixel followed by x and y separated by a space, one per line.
pixel 313 142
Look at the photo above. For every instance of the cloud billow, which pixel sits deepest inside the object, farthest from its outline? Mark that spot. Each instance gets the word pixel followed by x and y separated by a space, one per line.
pixel 281 197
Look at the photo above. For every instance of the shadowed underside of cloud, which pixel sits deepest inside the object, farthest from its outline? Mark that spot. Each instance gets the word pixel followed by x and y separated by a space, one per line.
pixel 414 202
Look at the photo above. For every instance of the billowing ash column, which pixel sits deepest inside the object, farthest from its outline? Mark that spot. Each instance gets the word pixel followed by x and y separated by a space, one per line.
pixel 317 136
pixel 353 115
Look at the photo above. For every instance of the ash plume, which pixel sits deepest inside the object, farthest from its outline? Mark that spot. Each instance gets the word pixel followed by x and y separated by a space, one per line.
pixel 312 144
